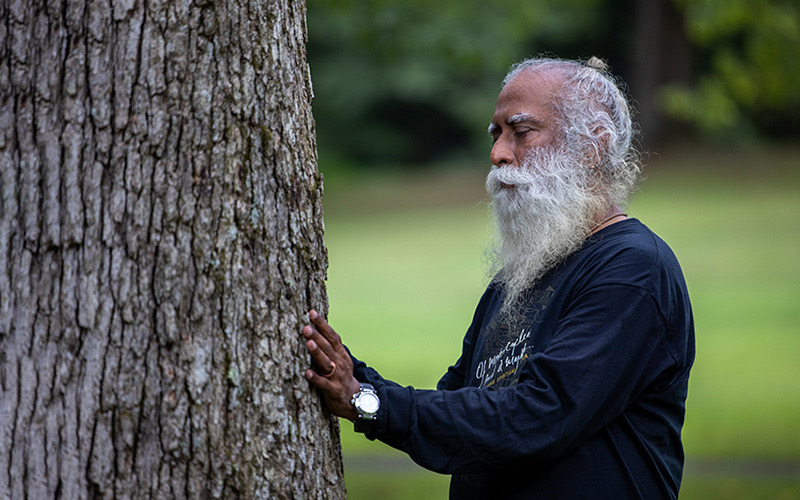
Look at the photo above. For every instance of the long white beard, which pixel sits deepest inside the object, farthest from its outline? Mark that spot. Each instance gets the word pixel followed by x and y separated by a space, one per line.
pixel 544 210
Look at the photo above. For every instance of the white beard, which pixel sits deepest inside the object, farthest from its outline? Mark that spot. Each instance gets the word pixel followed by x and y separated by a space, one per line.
pixel 544 210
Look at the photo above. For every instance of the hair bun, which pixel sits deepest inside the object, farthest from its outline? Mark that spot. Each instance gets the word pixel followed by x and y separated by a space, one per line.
pixel 597 63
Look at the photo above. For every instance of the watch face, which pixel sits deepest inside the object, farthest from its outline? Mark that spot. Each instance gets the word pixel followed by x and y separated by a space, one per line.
pixel 368 403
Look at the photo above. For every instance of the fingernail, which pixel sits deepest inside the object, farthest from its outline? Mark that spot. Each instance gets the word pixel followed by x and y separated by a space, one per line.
pixel 313 314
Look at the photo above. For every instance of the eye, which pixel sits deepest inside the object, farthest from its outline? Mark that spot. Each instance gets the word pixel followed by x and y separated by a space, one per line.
pixel 521 131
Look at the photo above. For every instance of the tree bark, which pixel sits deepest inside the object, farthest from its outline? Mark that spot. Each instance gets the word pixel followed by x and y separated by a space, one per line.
pixel 160 244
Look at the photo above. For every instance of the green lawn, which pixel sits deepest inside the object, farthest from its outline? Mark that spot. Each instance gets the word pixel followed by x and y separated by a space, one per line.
pixel 407 268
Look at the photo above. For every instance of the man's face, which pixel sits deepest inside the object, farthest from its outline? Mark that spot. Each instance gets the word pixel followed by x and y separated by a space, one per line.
pixel 545 204
pixel 524 117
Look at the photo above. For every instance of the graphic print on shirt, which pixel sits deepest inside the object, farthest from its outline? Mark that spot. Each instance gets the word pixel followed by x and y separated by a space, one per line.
pixel 508 342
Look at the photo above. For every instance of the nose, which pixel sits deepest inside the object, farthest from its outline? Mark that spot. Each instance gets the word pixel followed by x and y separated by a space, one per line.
pixel 501 154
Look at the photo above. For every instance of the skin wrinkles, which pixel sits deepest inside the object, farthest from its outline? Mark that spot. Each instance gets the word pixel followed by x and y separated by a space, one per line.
pixel 525 117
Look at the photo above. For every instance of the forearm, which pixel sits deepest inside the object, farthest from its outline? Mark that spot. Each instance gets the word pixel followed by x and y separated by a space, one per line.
pixel 471 429
pixel 583 381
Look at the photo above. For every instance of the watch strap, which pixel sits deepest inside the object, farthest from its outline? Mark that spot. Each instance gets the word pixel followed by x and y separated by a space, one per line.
pixel 364 425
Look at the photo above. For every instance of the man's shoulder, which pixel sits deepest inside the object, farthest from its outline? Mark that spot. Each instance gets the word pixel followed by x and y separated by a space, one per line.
pixel 634 240
pixel 629 232
pixel 628 252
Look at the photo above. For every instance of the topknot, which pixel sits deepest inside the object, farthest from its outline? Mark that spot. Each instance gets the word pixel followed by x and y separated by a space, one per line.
pixel 598 64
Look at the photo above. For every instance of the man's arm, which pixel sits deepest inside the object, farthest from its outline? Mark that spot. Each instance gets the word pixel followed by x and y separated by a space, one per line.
pixel 607 350
pixel 602 357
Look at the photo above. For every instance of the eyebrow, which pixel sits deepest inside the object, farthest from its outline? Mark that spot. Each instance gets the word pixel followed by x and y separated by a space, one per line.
pixel 514 120
pixel 522 117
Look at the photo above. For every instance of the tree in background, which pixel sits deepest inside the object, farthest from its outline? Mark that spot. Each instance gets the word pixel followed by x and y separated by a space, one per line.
pixel 748 71
pixel 401 81
pixel 160 242
pixel 406 81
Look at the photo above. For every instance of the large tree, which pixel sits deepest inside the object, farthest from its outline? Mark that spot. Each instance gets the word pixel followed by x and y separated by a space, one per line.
pixel 160 242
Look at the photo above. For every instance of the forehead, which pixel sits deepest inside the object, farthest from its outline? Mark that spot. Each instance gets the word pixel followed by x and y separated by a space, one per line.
pixel 531 92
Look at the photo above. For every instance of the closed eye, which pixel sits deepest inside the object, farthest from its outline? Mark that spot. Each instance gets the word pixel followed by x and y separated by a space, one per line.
pixel 523 123
pixel 522 130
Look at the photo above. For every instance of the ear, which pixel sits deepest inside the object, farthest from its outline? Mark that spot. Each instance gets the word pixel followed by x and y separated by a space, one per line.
pixel 599 146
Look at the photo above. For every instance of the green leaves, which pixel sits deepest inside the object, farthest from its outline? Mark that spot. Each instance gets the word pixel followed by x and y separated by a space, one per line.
pixel 404 81
pixel 409 81
pixel 752 72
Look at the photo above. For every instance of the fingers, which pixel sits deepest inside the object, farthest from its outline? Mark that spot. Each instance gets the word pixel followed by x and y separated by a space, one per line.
pixel 325 337
pixel 317 379
pixel 324 380
pixel 323 366
pixel 330 373
pixel 332 368
pixel 324 345
pixel 324 328
pixel 316 342
pixel 322 359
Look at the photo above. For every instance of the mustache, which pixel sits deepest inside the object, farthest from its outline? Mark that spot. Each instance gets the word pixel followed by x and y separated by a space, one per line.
pixel 500 178
pixel 541 184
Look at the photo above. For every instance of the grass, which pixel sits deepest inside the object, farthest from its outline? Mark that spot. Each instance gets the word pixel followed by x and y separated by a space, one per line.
pixel 732 488
pixel 407 268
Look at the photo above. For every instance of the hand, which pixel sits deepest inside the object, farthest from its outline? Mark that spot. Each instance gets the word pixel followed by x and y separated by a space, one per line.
pixel 334 375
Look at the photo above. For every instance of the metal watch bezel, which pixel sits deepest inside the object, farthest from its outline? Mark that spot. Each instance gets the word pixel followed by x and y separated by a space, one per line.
pixel 365 391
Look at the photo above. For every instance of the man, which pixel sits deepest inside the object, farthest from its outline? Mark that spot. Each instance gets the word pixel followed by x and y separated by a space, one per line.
pixel 573 376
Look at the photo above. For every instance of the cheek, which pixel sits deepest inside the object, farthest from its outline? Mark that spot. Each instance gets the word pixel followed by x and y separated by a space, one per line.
pixel 542 139
pixel 524 145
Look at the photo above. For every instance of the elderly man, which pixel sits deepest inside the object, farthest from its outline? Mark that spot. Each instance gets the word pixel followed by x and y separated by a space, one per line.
pixel 573 377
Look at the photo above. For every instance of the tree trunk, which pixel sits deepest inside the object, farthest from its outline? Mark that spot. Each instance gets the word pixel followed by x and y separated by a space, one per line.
pixel 160 244
pixel 662 55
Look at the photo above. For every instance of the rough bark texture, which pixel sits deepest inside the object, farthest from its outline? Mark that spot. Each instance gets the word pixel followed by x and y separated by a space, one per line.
pixel 160 242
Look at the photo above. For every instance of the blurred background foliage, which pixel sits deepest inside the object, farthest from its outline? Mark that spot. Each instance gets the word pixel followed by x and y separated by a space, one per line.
pixel 409 82
pixel 746 84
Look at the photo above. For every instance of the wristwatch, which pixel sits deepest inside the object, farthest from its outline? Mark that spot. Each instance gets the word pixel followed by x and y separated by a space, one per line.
pixel 366 403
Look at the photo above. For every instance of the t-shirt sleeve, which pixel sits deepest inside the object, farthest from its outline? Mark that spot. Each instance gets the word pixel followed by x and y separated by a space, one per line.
pixel 604 352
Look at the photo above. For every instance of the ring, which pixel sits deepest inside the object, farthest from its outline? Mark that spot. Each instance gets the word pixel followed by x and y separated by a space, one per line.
pixel 328 375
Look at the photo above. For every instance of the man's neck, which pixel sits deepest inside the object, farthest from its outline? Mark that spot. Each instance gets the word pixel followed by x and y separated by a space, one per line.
pixel 611 216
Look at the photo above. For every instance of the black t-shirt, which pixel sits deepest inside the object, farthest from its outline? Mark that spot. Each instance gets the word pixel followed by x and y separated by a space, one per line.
pixel 580 395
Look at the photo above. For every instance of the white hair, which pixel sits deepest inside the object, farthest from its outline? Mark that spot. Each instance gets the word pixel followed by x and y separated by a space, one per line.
pixel 543 219
pixel 596 119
